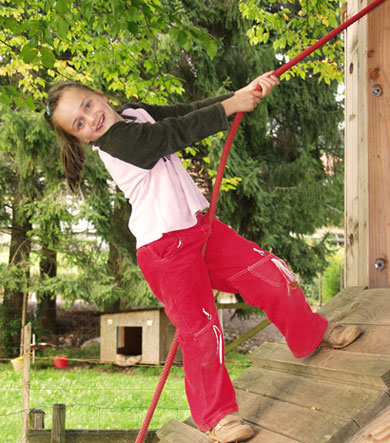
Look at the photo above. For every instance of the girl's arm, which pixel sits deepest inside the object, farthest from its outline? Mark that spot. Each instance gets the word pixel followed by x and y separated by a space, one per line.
pixel 143 144
pixel 160 112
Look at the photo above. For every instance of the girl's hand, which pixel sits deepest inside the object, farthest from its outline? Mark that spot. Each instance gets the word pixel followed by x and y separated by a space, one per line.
pixel 242 101
pixel 247 98
pixel 267 81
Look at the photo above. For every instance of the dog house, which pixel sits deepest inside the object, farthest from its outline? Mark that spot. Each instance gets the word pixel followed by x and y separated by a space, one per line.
pixel 139 336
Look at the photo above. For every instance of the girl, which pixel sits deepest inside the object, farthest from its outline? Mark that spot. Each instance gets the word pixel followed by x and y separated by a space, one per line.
pixel 138 146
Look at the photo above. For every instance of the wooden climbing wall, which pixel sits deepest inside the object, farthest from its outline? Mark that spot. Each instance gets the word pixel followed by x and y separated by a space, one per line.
pixel 367 147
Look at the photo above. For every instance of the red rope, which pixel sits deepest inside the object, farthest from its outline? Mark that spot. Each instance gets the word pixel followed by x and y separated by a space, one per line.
pixel 217 186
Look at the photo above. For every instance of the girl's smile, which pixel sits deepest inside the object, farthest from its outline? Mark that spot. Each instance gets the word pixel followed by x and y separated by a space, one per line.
pixel 84 114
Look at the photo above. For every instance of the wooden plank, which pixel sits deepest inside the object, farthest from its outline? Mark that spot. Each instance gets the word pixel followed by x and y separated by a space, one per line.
pixel 177 432
pixel 375 340
pixel 378 126
pixel 342 303
pixel 312 393
pixel 377 431
pixel 367 370
pixel 359 306
pixel 263 435
pixel 367 154
pixel 292 421
pixel 356 153
pixel 93 436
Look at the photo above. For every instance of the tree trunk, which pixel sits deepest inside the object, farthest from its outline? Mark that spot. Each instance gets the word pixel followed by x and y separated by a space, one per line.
pixel 46 309
pixel 122 242
pixel 19 254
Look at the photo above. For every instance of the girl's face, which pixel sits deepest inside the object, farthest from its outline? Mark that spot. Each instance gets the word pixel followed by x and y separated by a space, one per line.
pixel 84 114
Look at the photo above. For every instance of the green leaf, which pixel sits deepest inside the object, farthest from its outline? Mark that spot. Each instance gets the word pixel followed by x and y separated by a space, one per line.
pixel 5 98
pixel 29 54
pixel 86 11
pixel 212 49
pixel 147 11
pixel 333 21
pixel 62 6
pixel 12 24
pixel 132 27
pixel 12 91
pixel 19 102
pixel 181 38
pixel 47 57
pixel 30 103
pixel 62 28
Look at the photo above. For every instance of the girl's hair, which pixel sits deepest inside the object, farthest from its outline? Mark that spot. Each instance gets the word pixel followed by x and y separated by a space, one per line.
pixel 72 151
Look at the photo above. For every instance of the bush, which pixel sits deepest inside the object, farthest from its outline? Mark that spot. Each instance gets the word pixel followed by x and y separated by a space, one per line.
pixel 331 277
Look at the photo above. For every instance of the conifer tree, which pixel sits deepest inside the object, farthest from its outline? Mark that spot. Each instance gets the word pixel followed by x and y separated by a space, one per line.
pixel 285 192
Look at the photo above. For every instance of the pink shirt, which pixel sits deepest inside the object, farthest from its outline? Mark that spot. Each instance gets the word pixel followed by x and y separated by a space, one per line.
pixel 163 199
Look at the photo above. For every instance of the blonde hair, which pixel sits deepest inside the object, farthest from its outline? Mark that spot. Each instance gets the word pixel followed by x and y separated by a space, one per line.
pixel 72 151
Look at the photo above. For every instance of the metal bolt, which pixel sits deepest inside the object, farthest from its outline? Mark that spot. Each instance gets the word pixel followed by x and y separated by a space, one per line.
pixel 377 90
pixel 380 264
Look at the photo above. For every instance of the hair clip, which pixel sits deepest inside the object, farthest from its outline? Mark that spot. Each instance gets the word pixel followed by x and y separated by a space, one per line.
pixel 48 110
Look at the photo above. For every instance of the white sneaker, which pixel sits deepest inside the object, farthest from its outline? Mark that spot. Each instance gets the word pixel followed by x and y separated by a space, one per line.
pixel 231 429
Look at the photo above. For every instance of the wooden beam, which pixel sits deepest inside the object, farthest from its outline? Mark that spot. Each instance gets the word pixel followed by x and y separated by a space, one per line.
pixel 367 147
pixel 26 378
pixel 58 428
pixel 92 436
pixel 177 432
pixel 378 119
pixel 249 334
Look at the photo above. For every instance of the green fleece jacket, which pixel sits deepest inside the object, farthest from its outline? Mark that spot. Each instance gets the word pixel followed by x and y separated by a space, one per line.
pixel 177 126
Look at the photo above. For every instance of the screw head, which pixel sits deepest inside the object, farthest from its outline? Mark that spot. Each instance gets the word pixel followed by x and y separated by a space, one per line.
pixel 380 264
pixel 377 90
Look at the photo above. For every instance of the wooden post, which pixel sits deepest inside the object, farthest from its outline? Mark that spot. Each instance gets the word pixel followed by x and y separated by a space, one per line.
pixel 58 427
pixel 24 316
pixel 26 380
pixel 367 148
pixel 36 419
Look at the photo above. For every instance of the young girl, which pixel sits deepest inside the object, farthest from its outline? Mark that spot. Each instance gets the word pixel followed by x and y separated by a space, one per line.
pixel 138 146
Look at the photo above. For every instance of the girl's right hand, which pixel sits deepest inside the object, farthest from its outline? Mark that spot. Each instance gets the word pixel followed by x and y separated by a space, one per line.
pixel 242 101
pixel 247 98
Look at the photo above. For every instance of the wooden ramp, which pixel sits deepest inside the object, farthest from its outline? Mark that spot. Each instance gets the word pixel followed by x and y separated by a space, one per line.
pixel 330 396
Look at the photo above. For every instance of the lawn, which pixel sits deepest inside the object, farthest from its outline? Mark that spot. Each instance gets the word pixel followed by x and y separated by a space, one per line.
pixel 96 396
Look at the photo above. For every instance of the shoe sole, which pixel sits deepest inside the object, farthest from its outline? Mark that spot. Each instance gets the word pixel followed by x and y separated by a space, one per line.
pixel 236 439
pixel 354 335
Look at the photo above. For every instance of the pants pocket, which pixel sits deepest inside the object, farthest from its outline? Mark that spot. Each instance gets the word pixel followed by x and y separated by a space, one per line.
pixel 166 247
pixel 210 344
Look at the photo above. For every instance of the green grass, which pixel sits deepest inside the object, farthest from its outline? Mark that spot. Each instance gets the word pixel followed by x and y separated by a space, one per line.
pixel 96 396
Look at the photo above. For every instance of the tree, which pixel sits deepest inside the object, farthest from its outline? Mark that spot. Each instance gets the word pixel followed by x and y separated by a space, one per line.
pixel 112 45
pixel 22 141
pixel 285 191
pixel 293 26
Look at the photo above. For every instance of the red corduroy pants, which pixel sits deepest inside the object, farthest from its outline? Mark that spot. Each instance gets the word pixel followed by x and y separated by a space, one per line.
pixel 182 279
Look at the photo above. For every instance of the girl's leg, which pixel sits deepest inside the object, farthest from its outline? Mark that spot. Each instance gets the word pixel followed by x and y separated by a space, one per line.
pixel 176 272
pixel 240 266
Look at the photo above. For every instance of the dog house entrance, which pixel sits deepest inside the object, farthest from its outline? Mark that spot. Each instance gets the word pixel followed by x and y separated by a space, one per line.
pixel 129 340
